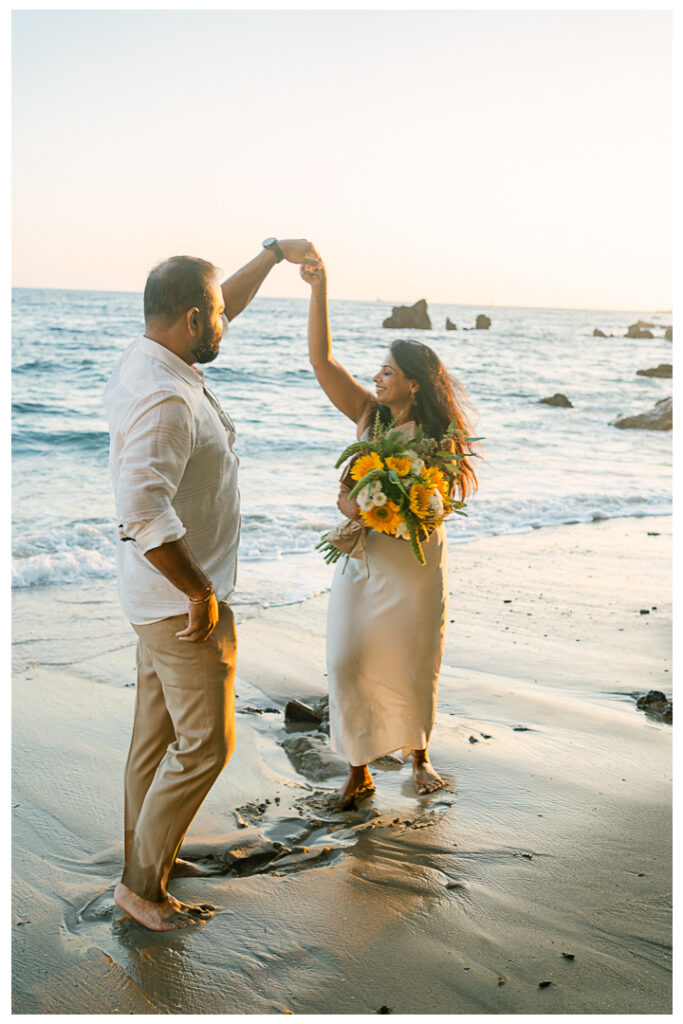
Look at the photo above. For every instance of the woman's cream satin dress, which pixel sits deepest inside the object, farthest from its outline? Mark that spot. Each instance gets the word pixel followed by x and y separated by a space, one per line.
pixel 386 624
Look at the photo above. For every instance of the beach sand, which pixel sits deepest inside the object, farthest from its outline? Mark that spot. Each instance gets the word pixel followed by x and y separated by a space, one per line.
pixel 552 838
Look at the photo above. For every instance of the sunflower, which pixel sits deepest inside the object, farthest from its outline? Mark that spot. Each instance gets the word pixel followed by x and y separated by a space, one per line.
pixel 382 518
pixel 419 500
pixel 401 465
pixel 433 477
pixel 365 464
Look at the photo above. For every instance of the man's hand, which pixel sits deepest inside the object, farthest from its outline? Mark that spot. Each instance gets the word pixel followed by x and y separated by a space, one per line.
pixel 202 620
pixel 299 250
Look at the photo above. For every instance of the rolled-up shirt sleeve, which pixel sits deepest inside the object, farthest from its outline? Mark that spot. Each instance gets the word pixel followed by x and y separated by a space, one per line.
pixel 156 448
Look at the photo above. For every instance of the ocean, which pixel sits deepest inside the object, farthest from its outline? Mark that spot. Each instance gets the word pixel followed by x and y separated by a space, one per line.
pixel 542 466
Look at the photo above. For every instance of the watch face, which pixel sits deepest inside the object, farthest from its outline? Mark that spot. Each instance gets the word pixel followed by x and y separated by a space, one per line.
pixel 269 241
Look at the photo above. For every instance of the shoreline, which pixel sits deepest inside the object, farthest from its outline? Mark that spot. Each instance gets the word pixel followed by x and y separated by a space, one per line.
pixel 99 584
pixel 553 836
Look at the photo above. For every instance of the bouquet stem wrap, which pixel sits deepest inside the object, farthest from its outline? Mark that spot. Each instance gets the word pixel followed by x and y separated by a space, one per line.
pixel 348 536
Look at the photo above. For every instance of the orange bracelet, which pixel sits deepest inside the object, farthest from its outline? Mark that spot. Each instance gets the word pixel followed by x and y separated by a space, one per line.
pixel 204 595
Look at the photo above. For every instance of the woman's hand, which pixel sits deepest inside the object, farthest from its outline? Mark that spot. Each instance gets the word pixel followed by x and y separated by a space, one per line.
pixel 347 508
pixel 315 276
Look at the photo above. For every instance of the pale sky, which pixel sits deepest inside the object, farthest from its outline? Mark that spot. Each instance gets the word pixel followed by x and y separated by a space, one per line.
pixel 513 157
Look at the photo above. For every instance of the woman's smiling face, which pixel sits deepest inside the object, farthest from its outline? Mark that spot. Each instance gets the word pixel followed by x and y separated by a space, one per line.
pixel 392 386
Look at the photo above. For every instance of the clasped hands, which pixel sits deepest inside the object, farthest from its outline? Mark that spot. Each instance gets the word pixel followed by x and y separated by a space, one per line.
pixel 300 250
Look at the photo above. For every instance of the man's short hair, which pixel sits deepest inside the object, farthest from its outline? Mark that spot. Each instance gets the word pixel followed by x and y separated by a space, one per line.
pixel 176 285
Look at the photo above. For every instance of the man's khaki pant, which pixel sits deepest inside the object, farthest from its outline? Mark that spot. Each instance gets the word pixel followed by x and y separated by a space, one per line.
pixel 183 736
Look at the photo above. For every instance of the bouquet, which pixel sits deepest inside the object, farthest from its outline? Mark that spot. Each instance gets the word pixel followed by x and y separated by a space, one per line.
pixel 404 487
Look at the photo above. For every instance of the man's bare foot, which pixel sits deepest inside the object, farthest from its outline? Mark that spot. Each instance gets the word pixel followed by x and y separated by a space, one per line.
pixel 186 869
pixel 359 786
pixel 426 778
pixel 167 915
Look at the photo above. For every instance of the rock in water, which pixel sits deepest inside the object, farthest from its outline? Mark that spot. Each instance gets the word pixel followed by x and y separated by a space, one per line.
pixel 669 333
pixel 658 418
pixel 450 326
pixel 410 316
pixel 557 399
pixel 658 705
pixel 638 331
pixel 597 333
pixel 663 370
pixel 482 323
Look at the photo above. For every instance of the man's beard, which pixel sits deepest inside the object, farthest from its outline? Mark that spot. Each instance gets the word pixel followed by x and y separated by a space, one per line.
pixel 208 346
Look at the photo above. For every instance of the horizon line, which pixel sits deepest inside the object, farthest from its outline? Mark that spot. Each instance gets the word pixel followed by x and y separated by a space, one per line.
pixel 576 309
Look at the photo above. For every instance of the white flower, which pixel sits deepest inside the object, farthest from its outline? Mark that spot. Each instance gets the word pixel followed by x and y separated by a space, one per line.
pixel 436 503
pixel 364 498
pixel 402 530
pixel 379 498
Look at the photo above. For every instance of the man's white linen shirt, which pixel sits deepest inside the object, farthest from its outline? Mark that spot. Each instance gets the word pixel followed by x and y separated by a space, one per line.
pixel 174 474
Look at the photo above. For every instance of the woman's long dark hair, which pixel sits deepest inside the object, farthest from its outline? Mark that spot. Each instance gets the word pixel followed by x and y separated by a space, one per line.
pixel 440 399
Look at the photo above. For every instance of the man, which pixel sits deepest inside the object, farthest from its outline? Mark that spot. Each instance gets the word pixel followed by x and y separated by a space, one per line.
pixel 175 481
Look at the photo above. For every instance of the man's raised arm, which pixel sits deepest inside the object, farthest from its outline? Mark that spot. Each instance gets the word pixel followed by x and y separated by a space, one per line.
pixel 239 289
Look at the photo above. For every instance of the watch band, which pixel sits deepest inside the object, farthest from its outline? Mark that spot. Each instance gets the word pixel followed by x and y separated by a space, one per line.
pixel 271 243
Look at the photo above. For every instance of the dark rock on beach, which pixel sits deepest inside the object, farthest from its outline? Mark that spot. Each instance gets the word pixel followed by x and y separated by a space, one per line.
pixel 297 711
pixel 311 755
pixel 657 705
pixel 482 322
pixel 322 708
pixel 640 330
pixel 557 399
pixel 663 370
pixel 388 762
pixel 450 326
pixel 658 418
pixel 318 714
pixel 410 316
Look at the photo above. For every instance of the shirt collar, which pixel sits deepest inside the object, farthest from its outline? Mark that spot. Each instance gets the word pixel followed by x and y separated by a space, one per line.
pixel 190 374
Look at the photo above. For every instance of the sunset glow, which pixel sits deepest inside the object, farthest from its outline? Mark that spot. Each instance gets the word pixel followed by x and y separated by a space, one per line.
pixel 507 157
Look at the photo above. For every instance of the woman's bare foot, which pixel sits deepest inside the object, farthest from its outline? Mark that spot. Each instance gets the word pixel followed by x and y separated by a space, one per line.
pixel 186 869
pixel 359 786
pixel 196 910
pixel 167 915
pixel 426 778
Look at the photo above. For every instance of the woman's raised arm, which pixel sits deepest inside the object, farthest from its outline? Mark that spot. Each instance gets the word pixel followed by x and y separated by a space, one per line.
pixel 343 390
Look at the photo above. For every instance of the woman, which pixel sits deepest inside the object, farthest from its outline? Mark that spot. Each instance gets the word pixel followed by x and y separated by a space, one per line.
pixel 387 613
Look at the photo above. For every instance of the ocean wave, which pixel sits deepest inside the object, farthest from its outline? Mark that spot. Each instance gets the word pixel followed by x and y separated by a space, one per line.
pixel 70 554
pixel 85 441
pixel 87 551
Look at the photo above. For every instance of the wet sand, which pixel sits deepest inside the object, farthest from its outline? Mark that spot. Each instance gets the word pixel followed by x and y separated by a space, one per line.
pixel 546 859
